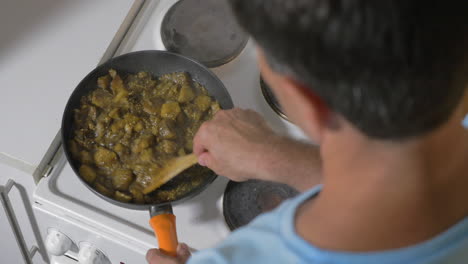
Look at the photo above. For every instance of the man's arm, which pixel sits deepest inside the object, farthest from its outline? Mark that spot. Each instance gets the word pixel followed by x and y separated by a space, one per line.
pixel 239 144
pixel 292 162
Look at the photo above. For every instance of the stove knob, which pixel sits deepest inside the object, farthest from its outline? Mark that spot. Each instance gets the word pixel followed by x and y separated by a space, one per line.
pixel 57 243
pixel 89 254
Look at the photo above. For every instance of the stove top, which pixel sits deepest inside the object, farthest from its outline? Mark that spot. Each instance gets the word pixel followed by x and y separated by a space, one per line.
pixel 200 221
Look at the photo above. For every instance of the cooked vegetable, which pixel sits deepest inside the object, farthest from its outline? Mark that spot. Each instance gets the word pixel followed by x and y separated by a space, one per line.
pixel 103 189
pixel 101 98
pixel 104 157
pixel 88 173
pixel 170 110
pixel 127 128
pixel 203 102
pixel 85 157
pixel 103 81
pixel 169 146
pixel 193 112
pixel 135 190
pixel 121 179
pixel 186 94
pixel 120 196
pixel 166 130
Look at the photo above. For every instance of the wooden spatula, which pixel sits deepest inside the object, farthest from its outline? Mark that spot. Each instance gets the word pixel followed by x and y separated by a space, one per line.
pixel 173 168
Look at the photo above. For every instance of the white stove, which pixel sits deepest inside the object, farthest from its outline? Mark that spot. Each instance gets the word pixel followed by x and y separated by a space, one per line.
pixel 71 217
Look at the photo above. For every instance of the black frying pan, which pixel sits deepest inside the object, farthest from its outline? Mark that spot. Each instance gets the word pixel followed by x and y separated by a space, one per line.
pixel 157 63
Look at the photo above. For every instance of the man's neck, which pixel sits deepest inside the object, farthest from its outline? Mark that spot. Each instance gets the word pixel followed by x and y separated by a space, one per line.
pixel 388 194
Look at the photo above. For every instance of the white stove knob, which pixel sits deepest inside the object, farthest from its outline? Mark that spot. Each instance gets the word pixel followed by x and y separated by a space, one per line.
pixel 89 254
pixel 57 243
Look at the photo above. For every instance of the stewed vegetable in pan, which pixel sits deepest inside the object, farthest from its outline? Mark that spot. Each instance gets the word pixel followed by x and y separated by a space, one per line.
pixel 130 117
pixel 131 125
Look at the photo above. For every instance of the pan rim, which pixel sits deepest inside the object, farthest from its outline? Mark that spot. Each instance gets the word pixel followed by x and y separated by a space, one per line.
pixel 67 111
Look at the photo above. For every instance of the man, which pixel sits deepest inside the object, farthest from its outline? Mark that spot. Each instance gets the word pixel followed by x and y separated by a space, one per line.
pixel 382 87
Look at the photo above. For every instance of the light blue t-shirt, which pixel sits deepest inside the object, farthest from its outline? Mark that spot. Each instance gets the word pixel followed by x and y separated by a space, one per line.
pixel 271 238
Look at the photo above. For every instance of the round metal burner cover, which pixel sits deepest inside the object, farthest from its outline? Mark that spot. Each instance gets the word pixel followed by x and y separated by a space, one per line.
pixel 205 30
pixel 243 201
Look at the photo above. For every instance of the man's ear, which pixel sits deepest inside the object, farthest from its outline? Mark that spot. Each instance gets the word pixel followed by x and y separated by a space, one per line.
pixel 301 105
pixel 311 112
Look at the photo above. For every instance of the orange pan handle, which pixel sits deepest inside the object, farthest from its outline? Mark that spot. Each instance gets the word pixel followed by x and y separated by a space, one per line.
pixel 163 223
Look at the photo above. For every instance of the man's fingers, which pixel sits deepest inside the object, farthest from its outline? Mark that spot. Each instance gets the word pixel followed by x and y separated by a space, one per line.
pixel 151 254
pixel 155 256
pixel 183 253
pixel 201 139
pixel 207 160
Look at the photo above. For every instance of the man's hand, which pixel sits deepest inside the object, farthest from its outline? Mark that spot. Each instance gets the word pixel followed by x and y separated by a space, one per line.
pixel 232 144
pixel 240 145
pixel 155 256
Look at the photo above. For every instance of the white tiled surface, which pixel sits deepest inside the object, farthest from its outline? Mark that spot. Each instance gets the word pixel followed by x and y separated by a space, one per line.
pixel 46 48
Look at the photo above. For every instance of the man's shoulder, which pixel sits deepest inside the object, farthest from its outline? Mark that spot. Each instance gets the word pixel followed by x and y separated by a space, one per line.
pixel 261 241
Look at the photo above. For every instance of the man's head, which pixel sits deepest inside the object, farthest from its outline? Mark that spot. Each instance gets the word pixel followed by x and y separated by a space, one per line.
pixel 394 69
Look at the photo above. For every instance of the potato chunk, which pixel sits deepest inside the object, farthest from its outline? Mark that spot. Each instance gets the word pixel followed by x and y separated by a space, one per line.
pixel 170 110
pixel 121 150
pixel 101 98
pixel 120 196
pixel 112 73
pixel 104 81
pixel 139 126
pixel 142 143
pixel 168 146
pixel 85 157
pixel 152 106
pixel 146 155
pixel 87 173
pixel 193 112
pixel 166 130
pixel 186 94
pixel 117 86
pixel 121 179
pixel 104 157
pixel 103 190
pixel 203 102
pixel 74 149
pixel 215 107
pixel 114 113
pixel 138 196
pixel 181 152
pixel 189 145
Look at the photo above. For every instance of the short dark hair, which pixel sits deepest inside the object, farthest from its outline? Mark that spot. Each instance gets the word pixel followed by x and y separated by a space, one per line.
pixel 394 68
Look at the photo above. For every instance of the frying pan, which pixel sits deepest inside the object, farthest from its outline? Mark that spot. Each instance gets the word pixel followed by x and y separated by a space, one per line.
pixel 157 63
